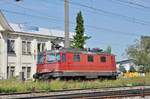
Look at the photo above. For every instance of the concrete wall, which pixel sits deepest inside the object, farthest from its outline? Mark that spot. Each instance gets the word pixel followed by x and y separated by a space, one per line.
pixel 3 55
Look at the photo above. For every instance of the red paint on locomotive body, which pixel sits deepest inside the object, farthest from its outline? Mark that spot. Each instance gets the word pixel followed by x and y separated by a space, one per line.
pixel 76 61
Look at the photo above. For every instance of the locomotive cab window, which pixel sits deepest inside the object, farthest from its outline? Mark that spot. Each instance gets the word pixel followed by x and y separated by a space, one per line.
pixel 41 59
pixel 90 58
pixel 76 58
pixel 103 59
pixel 52 57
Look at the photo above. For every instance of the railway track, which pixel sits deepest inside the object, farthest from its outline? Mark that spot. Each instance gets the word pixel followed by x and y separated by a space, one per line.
pixel 106 94
pixel 90 93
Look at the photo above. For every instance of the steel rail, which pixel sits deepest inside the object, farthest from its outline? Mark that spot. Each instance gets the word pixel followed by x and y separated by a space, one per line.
pixel 76 89
pixel 104 94
pixel 118 96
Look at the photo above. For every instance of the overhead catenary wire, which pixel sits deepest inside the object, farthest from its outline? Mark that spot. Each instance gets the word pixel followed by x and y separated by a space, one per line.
pixel 127 18
pixel 90 26
pixel 126 4
pixel 31 15
pixel 94 27
pixel 29 9
pixel 45 17
pixel 134 3
pixel 106 29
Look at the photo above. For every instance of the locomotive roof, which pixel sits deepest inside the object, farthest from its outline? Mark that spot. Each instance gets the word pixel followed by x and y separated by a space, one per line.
pixel 80 51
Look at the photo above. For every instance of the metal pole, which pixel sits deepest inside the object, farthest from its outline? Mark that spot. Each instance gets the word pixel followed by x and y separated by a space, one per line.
pixel 66 24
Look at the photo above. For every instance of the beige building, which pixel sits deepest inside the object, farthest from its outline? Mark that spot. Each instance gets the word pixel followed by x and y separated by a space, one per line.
pixel 19 46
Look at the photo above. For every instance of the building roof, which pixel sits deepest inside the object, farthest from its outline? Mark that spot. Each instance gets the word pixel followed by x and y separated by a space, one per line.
pixel 125 61
pixel 5 26
pixel 38 30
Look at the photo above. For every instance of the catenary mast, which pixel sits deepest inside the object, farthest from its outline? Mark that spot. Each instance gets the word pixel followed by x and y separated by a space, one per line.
pixel 67 24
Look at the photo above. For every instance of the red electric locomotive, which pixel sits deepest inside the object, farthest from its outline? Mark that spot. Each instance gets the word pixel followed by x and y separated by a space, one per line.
pixel 73 63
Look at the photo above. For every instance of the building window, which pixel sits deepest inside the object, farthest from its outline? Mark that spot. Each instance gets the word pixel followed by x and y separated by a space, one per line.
pixel 23 46
pixel 64 57
pixel 41 47
pixel 76 58
pixel 103 59
pixel 24 72
pixel 26 47
pixel 11 46
pixel 90 58
pixel 28 72
pixel 10 72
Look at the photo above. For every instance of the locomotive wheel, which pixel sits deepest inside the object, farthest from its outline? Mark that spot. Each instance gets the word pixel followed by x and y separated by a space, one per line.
pixel 113 77
pixel 108 78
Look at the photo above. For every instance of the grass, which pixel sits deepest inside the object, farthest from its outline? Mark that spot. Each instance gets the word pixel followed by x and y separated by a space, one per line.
pixel 14 85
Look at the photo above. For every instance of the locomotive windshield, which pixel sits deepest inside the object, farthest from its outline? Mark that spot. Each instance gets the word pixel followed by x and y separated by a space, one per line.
pixel 52 57
pixel 41 59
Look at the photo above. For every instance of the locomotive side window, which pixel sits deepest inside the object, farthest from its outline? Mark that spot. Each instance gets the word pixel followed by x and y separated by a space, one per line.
pixel 90 58
pixel 103 59
pixel 50 57
pixel 58 57
pixel 63 57
pixel 76 58
pixel 40 59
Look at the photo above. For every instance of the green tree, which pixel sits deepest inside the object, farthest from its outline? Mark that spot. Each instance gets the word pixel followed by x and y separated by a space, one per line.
pixel 121 68
pixel 79 38
pixel 140 52
pixel 108 49
pixel 143 69
pixel 132 69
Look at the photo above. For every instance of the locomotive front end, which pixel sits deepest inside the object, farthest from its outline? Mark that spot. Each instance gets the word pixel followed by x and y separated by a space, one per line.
pixel 48 62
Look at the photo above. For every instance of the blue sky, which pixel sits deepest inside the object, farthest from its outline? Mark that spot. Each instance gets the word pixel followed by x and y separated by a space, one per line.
pixel 108 22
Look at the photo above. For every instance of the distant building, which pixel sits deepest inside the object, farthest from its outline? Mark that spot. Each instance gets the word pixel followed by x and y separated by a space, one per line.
pixel 20 44
pixel 126 63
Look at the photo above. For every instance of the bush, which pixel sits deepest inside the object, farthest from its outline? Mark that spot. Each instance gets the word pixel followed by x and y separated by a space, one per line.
pixel 65 87
pixel 47 88
pixel 29 89
pixel 132 69
pixel 122 69
pixel 84 86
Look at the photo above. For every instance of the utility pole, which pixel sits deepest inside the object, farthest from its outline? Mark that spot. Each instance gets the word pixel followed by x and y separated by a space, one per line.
pixel 66 24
